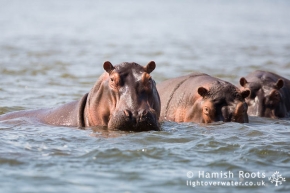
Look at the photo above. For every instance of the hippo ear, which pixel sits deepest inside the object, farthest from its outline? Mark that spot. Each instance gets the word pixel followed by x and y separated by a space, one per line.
pixel 280 83
pixel 245 93
pixel 243 82
pixel 150 67
pixel 108 67
pixel 202 91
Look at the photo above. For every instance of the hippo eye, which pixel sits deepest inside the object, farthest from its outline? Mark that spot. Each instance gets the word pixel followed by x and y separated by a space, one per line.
pixel 244 110
pixel 149 80
pixel 206 110
pixel 112 79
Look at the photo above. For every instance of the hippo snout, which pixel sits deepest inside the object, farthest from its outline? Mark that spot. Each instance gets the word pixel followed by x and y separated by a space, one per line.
pixel 137 117
pixel 141 120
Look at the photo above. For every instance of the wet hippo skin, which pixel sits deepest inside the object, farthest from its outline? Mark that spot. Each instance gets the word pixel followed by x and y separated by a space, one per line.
pixel 201 98
pixel 270 94
pixel 124 98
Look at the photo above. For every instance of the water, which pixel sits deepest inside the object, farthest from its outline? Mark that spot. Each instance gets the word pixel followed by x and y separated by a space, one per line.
pixel 51 52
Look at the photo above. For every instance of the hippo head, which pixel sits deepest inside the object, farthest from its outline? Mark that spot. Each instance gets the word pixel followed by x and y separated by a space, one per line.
pixel 266 98
pixel 222 102
pixel 126 98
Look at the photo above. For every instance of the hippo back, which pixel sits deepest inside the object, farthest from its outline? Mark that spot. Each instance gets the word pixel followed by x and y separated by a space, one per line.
pixel 199 97
pixel 270 94
pixel 124 98
pixel 172 93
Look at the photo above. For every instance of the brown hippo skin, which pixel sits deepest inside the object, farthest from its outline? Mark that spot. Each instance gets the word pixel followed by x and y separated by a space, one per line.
pixel 270 94
pixel 201 98
pixel 124 98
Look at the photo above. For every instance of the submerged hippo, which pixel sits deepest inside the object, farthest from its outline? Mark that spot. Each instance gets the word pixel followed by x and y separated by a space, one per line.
pixel 124 98
pixel 201 98
pixel 270 94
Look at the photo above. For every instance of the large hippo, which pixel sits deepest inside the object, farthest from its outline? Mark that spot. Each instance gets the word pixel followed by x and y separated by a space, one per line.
pixel 124 98
pixel 270 94
pixel 201 98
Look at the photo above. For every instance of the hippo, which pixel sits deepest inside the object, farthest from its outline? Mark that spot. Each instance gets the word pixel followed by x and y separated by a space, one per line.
pixel 270 94
pixel 124 98
pixel 201 98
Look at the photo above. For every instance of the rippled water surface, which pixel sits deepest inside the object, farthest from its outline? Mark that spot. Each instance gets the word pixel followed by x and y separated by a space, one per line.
pixel 51 52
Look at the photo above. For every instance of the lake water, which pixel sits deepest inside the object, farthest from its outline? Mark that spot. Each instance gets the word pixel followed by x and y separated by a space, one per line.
pixel 51 52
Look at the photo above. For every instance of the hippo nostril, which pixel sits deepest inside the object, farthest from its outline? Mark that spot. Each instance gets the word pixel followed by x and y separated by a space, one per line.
pixel 127 113
pixel 130 117
pixel 143 113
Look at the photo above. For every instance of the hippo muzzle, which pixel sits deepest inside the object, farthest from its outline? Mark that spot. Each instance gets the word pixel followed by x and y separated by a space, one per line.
pixel 127 120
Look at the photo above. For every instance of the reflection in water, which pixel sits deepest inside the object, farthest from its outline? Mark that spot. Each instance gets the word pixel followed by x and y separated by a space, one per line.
pixel 100 131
